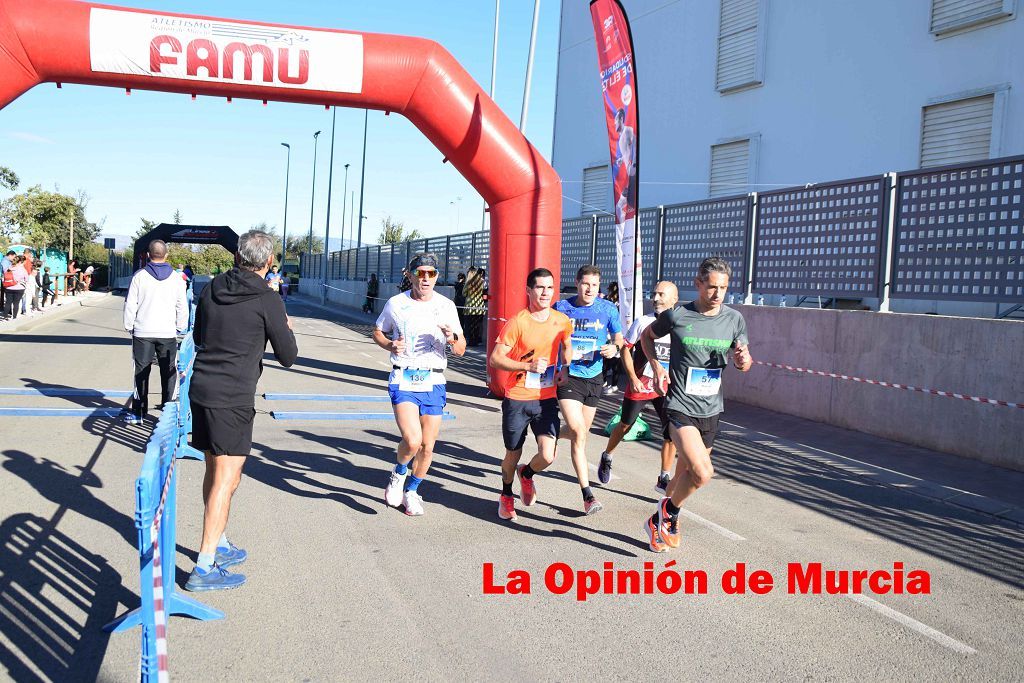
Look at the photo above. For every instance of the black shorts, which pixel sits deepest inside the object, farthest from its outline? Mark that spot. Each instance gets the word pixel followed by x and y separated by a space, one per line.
pixel 631 409
pixel 587 391
pixel 222 431
pixel 707 426
pixel 540 415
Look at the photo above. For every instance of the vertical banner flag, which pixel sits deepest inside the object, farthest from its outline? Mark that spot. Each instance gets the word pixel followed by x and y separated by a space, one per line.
pixel 618 90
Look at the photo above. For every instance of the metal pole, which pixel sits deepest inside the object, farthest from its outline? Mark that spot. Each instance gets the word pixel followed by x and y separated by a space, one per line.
pixel 284 232
pixel 529 67
pixel 660 259
pixel 309 243
pixel 71 237
pixel 362 186
pixel 327 222
pixel 344 207
pixel 494 78
pixel 748 297
pixel 593 239
pixel 890 237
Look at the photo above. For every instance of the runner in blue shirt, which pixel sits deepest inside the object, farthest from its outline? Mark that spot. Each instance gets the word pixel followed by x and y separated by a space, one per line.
pixel 597 334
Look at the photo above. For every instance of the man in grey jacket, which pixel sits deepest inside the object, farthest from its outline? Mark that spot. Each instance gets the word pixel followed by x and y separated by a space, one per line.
pixel 154 312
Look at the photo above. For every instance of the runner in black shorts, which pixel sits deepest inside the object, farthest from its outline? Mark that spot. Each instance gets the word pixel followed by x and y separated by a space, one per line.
pixel 526 348
pixel 640 388
pixel 702 333
pixel 597 334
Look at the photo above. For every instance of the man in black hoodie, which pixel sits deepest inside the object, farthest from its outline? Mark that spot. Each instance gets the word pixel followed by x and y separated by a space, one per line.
pixel 238 313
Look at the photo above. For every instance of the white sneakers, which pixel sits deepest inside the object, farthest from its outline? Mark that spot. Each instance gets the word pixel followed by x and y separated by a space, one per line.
pixel 413 503
pixel 393 492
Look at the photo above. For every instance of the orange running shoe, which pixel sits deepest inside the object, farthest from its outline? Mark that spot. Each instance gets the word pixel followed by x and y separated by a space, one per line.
pixel 653 537
pixel 668 526
pixel 507 508
pixel 529 488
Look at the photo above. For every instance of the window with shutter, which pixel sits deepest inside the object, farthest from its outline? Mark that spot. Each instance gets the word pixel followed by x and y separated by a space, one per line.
pixel 740 49
pixel 957 132
pixel 952 15
pixel 597 190
pixel 730 168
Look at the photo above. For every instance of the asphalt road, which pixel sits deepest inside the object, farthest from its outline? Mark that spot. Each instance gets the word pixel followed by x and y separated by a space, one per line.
pixel 343 588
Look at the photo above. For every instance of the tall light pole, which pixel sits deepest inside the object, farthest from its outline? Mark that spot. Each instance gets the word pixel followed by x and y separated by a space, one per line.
pixel 529 68
pixel 309 244
pixel 344 207
pixel 327 223
pixel 362 185
pixel 494 77
pixel 284 232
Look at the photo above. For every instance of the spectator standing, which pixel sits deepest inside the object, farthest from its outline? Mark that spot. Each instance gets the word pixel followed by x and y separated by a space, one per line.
pixel 612 365
pixel 154 311
pixel 14 282
pixel 372 292
pixel 37 289
pixel 71 284
pixel 237 315
pixel 6 263
pixel 460 298
pixel 87 277
pixel 47 286
pixel 28 302
pixel 474 291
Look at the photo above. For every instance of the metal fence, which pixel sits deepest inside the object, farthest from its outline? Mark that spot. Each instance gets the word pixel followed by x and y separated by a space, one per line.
pixel 952 233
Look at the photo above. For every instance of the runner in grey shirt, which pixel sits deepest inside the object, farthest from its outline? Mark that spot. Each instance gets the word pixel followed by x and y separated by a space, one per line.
pixel 702 333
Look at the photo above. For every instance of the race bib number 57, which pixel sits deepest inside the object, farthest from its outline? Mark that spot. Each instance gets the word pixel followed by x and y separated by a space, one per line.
pixel 703 381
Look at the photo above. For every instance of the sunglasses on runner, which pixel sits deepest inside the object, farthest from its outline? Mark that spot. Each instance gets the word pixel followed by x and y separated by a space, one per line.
pixel 423 272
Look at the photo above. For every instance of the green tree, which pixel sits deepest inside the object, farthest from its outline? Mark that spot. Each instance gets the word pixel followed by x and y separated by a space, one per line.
pixel 393 232
pixel 177 217
pixel 44 219
pixel 146 226
pixel 300 245
pixel 8 178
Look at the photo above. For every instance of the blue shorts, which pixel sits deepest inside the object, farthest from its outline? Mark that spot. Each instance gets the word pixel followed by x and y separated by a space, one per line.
pixel 430 402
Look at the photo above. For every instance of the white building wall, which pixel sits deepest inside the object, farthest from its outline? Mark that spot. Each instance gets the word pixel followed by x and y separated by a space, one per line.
pixel 843 91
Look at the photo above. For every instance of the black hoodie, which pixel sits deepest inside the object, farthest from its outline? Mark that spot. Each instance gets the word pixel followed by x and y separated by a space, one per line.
pixel 237 315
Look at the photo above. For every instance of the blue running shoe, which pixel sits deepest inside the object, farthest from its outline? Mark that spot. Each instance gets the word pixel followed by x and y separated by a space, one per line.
pixel 215 579
pixel 230 556
pixel 131 418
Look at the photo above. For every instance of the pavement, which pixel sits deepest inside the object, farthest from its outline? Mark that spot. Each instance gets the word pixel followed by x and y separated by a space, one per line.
pixel 342 587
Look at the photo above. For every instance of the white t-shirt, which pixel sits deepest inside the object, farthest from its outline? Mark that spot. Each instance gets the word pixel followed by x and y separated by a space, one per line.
pixel 418 323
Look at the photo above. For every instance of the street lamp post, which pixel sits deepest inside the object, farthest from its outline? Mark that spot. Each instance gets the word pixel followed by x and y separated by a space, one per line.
pixel 362 186
pixel 284 232
pixel 309 243
pixel 344 206
pixel 327 225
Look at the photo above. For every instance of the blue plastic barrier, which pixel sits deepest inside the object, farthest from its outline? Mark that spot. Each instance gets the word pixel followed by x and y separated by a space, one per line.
pixel 156 521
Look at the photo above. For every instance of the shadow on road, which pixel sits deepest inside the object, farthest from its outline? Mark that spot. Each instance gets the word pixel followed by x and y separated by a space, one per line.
pixel 55 596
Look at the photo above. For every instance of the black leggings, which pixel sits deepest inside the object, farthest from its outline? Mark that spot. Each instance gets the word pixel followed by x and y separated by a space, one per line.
pixel 12 302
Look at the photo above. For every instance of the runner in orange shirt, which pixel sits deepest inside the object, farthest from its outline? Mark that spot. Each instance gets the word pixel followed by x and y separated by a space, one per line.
pixel 527 347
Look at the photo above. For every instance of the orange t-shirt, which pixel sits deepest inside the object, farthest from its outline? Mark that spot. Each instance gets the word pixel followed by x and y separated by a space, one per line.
pixel 529 338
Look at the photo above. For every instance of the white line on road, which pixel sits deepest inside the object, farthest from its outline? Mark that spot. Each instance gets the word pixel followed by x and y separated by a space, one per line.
pixel 923 629
pixel 711 525
pixel 364 353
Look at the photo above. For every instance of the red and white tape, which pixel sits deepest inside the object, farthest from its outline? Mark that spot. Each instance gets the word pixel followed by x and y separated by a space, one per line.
pixel 158 583
pixel 893 385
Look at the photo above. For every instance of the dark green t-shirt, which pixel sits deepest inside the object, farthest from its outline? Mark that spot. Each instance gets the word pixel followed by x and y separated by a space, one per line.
pixel 699 347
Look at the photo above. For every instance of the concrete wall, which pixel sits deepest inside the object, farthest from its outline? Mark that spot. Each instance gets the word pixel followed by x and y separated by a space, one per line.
pixel 844 85
pixel 964 355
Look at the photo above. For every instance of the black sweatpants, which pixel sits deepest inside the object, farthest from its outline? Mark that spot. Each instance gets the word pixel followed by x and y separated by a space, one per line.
pixel 143 352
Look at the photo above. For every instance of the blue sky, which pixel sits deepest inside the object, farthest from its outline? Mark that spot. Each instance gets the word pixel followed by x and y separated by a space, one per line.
pixel 150 153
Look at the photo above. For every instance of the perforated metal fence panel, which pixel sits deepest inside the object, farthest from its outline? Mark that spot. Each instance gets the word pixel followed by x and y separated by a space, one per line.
pixel 959 233
pixel 439 247
pixel 821 240
pixel 605 254
pixel 460 255
pixel 482 249
pixel 576 238
pixel 697 230
pixel 648 219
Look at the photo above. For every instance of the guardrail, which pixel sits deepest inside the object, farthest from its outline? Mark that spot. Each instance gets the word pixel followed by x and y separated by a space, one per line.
pixel 156 521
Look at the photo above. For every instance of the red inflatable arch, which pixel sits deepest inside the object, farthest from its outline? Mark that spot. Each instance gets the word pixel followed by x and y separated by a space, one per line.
pixel 75 42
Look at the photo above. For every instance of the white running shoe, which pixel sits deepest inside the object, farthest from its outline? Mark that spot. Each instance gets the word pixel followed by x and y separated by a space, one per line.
pixel 393 492
pixel 413 504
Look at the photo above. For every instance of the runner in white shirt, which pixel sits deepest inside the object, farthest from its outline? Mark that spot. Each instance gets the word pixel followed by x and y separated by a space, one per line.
pixel 417 327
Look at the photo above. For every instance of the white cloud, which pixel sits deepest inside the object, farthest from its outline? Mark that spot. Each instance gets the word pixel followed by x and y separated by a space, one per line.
pixel 31 137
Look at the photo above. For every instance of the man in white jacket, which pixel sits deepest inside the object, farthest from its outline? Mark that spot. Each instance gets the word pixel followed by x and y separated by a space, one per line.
pixel 154 312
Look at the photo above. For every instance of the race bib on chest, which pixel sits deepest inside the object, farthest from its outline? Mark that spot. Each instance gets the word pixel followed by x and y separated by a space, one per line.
pixel 538 380
pixel 649 370
pixel 583 348
pixel 703 381
pixel 416 379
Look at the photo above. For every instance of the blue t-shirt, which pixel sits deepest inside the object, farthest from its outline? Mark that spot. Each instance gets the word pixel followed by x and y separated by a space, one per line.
pixel 593 326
